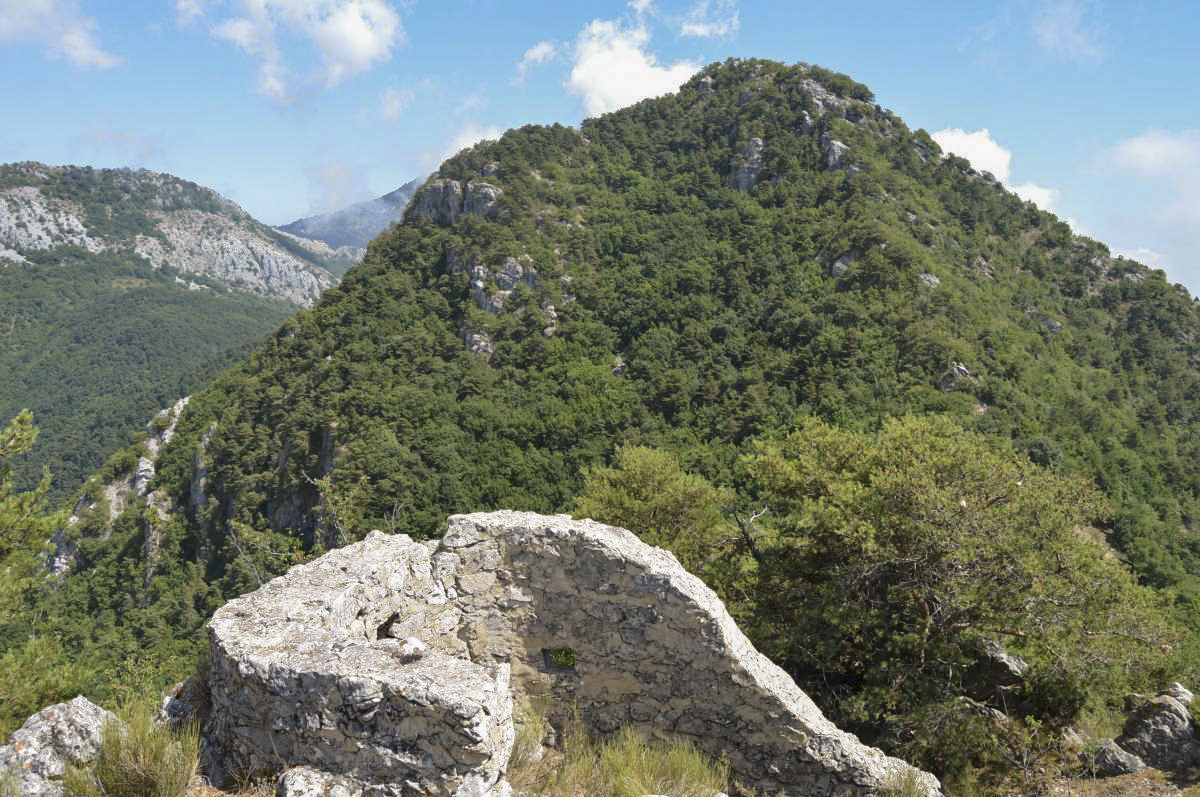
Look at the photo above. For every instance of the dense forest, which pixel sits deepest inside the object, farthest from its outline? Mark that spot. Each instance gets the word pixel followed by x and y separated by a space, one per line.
pixel 871 396
pixel 95 343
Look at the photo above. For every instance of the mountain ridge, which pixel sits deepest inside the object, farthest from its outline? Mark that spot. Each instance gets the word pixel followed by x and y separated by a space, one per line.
pixel 763 263
pixel 353 227
pixel 165 220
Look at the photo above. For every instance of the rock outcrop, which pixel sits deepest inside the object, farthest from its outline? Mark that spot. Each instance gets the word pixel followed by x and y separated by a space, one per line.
pixel 746 168
pixel 444 201
pixel 39 752
pixel 1160 731
pixel 397 665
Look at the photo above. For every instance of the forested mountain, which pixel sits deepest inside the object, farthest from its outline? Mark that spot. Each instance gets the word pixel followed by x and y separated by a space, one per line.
pixel 764 291
pixel 121 291
pixel 353 227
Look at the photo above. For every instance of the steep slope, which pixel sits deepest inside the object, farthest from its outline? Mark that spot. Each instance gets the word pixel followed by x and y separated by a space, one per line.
pixel 697 273
pixel 166 221
pixel 121 291
pixel 349 230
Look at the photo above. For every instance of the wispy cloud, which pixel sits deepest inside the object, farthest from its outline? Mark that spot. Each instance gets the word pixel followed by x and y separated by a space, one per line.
pixel 133 147
pixel 536 55
pixel 612 66
pixel 348 36
pixel 711 18
pixel 475 101
pixel 62 28
pixel 1062 28
pixel 393 101
pixel 1161 168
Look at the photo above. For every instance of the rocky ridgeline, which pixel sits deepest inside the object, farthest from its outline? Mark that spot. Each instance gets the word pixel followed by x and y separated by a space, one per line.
pixel 396 667
pixel 167 221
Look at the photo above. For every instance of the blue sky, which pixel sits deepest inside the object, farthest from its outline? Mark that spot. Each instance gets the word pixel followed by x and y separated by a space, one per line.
pixel 290 107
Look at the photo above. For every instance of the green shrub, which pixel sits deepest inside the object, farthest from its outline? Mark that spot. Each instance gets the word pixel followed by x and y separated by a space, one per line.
pixel 137 758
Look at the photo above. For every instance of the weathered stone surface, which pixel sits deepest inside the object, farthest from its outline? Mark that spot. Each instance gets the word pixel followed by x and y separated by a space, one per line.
pixel 1160 731
pixel 996 677
pixel 491 286
pixel 1110 760
pixel 185 701
pixel 396 664
pixel 445 200
pixel 38 753
pixel 441 201
pixel 746 168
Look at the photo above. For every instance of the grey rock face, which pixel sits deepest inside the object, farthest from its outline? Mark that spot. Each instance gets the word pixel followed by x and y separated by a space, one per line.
pixel 397 664
pixel 843 264
pixel 1110 760
pixel 957 377
pixel 445 200
pixel 837 155
pixel 746 168
pixel 1161 733
pixel 930 280
pixel 38 753
pixel 481 199
pixel 491 286
pixel 997 676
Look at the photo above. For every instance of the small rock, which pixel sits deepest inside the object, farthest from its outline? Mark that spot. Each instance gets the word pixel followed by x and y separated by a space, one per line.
pixel 957 377
pixel 181 703
pixel 930 280
pixel 1111 760
pixel 40 751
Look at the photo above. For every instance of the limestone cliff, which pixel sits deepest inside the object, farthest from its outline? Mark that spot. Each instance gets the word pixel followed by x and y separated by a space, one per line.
pixel 171 223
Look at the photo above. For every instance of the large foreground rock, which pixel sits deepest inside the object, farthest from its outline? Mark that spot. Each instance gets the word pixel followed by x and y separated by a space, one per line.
pixel 396 665
pixel 39 752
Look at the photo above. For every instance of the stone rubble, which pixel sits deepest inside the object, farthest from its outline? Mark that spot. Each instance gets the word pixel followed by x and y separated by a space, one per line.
pixel 395 667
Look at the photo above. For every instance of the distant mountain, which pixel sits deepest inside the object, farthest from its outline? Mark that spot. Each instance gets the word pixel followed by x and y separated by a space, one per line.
pixel 354 227
pixel 122 290
pixel 167 222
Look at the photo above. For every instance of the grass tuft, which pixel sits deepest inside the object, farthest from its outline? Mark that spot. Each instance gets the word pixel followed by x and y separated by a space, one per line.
pixel 137 758
pixel 626 765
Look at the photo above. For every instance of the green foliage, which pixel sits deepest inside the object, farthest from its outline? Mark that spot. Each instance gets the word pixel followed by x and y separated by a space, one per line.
pixel 97 343
pixel 896 554
pixel 137 758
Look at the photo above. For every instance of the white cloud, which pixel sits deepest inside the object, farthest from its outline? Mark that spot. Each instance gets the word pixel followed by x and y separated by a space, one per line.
pixel 469 136
pixel 60 26
pixel 1045 198
pixel 984 153
pixel 1060 27
pixel 709 18
pixel 538 54
pixel 393 102
pixel 348 36
pixel 475 101
pixel 612 67
pixel 1159 153
pixel 187 11
pixel 987 155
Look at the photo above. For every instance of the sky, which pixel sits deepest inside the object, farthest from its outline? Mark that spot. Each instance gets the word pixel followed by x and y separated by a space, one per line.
pixel 1090 108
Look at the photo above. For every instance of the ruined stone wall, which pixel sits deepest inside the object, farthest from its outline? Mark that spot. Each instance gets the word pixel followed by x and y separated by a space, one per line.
pixel 394 662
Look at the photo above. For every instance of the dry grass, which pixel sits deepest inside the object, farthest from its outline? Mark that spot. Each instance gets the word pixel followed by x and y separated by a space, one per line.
pixel 138 759
pixel 625 765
